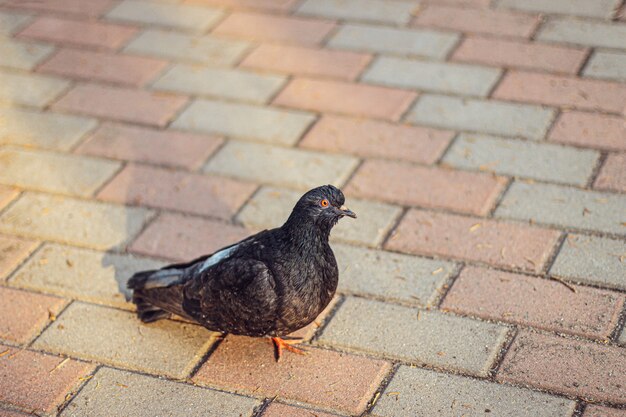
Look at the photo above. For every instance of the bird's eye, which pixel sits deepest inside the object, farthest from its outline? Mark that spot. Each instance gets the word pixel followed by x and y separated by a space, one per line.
pixel 324 203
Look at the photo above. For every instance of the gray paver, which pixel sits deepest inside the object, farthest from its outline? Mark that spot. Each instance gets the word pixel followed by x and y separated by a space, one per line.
pixel 593 260
pixel 246 121
pixel 118 338
pixel 271 206
pixel 427 43
pixel 43 130
pixel 522 158
pixel 368 10
pixel 73 221
pixel 180 16
pixel 10 22
pixel 565 207
pixel 497 117
pixel 115 393
pixel 54 172
pixel 432 338
pixel 595 8
pixel 607 65
pixel 22 55
pixel 227 83
pixel 433 76
pixel 179 46
pixel 424 393
pixel 584 32
pixel 622 338
pixel 83 274
pixel 30 89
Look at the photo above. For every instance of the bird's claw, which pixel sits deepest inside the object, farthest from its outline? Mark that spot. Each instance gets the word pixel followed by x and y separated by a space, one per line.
pixel 280 344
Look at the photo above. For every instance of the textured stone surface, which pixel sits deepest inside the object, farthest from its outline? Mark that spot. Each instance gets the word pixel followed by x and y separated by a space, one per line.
pixel 22 55
pixel 30 89
pixel 10 22
pixel 266 5
pixel 612 175
pixel 608 65
pixel 276 409
pixel 13 251
pixel 583 32
pixel 90 8
pixel 598 8
pixel 593 410
pixel 368 10
pixel 7 194
pixel 592 130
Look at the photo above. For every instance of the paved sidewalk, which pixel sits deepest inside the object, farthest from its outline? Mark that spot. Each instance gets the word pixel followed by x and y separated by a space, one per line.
pixel 481 142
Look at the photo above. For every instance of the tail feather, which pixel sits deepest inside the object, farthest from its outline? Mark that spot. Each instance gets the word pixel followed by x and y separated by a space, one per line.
pixel 157 293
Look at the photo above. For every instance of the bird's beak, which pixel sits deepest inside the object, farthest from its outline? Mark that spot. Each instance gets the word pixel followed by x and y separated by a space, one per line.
pixel 345 211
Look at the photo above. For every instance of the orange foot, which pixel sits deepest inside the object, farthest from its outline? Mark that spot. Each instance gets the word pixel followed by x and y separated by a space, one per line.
pixel 280 344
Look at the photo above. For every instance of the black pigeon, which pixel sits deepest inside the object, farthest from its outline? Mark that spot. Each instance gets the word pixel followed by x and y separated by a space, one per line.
pixel 269 284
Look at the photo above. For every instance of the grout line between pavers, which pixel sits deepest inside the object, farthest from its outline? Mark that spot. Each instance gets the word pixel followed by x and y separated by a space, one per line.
pixel 381 388
pixel 579 409
pixel 504 348
pixel 109 180
pixel 595 172
pixel 69 397
pixel 446 286
pixel 30 344
pixel 619 327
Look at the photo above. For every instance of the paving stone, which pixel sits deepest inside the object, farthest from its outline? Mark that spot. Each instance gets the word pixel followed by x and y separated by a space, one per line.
pixel 281 410
pixel 592 260
pixel 83 274
pixel 484 21
pixel 263 124
pixel 125 104
pixel 7 194
pixel 432 76
pixel 522 159
pixel 179 16
pixel 24 314
pixel 507 245
pixel 92 33
pixel 177 237
pixel 593 410
pixel 22 55
pixel 270 207
pixel 13 251
pixel 600 8
pixel 217 82
pixel 90 8
pixel 11 413
pixel 426 43
pixel 433 187
pixel 562 91
pixel 612 174
pixel 323 377
pixel 422 392
pixel 270 5
pixel 567 366
pixel 368 10
pixel 178 46
pixel 372 138
pixel 497 117
pixel 307 61
pixel 280 166
pixel 518 54
pixel 100 66
pixel 348 98
pixel 42 130
pixel 177 190
pixel 608 65
pixel 536 302
pixel 565 207
pixel 268 28
pixel 68 220
pixel 590 130
pixel 164 347
pixel 583 32
pixel 115 393
pixel 54 172
pixel 37 382
pixel 30 89
pixel 408 334
pixel 11 22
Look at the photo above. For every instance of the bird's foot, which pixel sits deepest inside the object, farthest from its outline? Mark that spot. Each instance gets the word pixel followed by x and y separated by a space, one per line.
pixel 280 344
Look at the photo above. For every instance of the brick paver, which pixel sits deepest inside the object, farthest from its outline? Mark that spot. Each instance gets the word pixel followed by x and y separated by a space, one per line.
pixel 592 130
pixel 364 10
pixel 11 22
pixel 607 65
pixel 600 8
pixel 90 8
pixel 583 32
pixel 23 55
pixel 7 194
pixel 30 89
pixel 593 410
pixel 268 5
pixel 612 175
pixel 276 409
pixel 13 251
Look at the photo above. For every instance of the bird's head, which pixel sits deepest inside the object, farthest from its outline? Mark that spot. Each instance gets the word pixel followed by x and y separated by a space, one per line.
pixel 323 206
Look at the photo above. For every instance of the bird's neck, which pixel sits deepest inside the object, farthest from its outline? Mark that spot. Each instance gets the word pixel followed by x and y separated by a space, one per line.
pixel 307 234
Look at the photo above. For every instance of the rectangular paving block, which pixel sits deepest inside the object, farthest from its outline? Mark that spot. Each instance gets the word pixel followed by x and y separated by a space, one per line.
pixel 7 194
pixel 522 158
pixel 90 8
pixel 267 5
pixel 565 207
pixel 592 260
pixel 164 347
pixel 30 89
pixel 497 117
pixel 115 392
pixel 602 9
pixel 583 32
pixel 432 76
pixel 54 172
pixel 83 274
pixel 569 366
pixel 433 187
pixel 49 130
pixel 179 46
pixel 73 221
pixel 179 16
pixel 427 43
pixel 38 382
pixel 592 410
pixel 593 130
pixel 22 55
pixel 217 82
pixel 607 65
pixel 408 334
pixel 508 245
pixel 536 302
pixel 322 377
pixel 11 22
pixel 13 251
pixel 270 207
pixel 612 175
pixel 263 124
pixel 423 393
pixel 276 409
pixel 280 166
pixel 366 10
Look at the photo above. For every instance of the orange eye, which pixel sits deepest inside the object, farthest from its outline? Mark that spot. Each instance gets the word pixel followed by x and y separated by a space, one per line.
pixel 324 203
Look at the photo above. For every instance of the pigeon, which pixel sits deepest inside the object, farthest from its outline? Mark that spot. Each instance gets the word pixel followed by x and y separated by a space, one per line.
pixel 267 285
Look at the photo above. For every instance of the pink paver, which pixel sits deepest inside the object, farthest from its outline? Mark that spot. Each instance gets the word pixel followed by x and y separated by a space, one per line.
pixel 593 130
pixel 613 173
